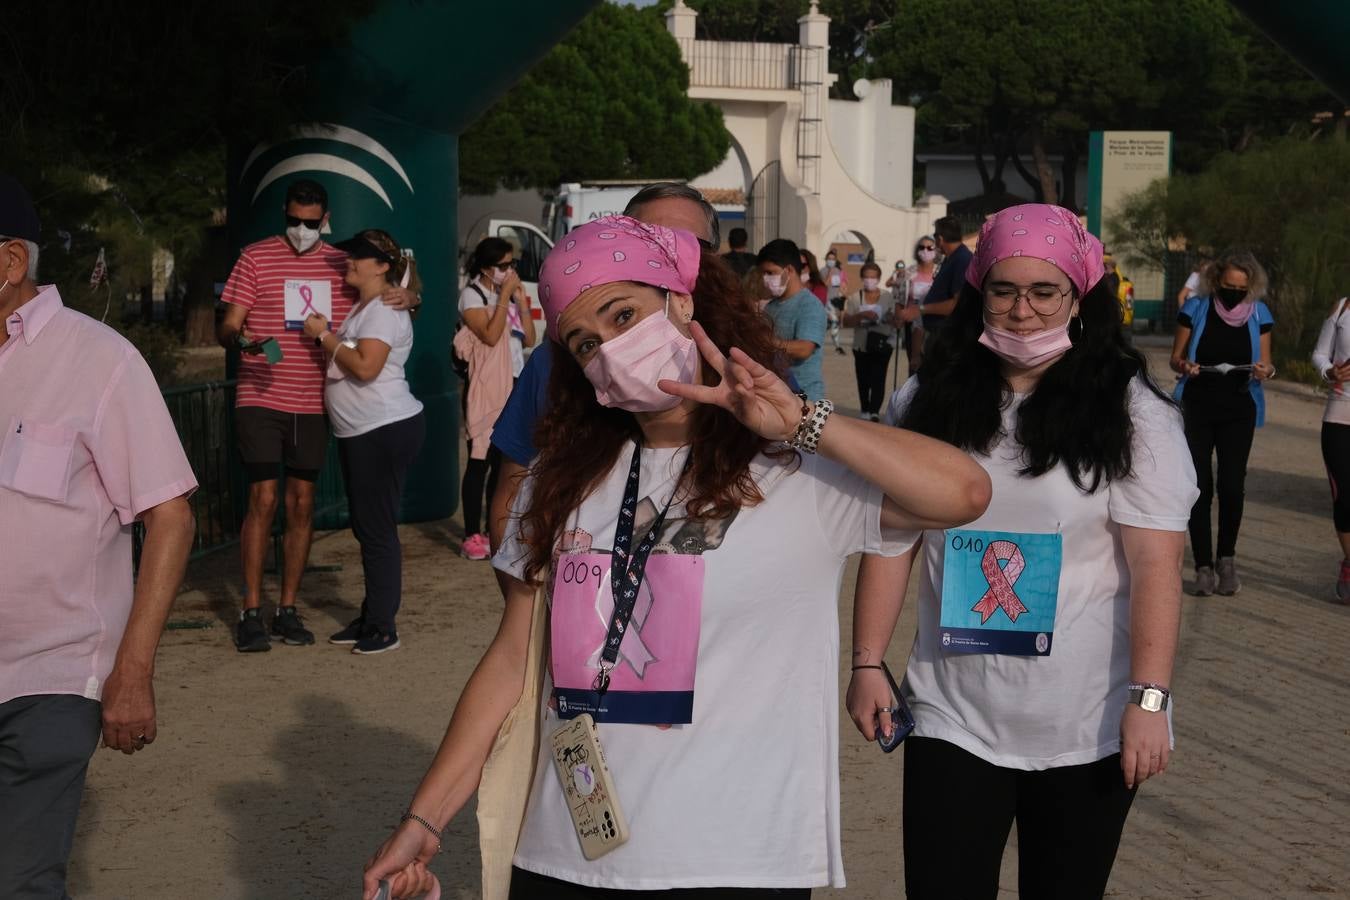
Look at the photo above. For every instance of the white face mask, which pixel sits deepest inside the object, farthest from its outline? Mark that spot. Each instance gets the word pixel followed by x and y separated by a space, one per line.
pixel 775 285
pixel 498 275
pixel 927 255
pixel 871 284
pixel 302 237
pixel 830 263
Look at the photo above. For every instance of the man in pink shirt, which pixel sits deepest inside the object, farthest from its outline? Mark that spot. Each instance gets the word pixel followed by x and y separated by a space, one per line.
pixel 279 417
pixel 88 449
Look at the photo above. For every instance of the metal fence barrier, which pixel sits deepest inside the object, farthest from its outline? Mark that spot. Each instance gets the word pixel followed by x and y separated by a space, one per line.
pixel 203 415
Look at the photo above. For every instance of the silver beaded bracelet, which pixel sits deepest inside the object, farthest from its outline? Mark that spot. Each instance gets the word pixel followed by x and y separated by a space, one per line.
pixel 812 425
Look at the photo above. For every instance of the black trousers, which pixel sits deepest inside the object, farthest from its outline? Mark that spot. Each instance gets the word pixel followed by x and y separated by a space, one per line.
pixel 870 369
pixel 480 477
pixel 529 886
pixel 374 465
pixel 1336 455
pixel 959 810
pixel 46 741
pixel 1224 430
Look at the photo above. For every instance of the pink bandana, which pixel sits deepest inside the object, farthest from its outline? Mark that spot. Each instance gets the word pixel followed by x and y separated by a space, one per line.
pixel 615 248
pixel 1039 230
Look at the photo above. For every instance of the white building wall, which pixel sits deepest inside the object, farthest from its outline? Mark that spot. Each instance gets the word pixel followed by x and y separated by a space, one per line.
pixel 874 141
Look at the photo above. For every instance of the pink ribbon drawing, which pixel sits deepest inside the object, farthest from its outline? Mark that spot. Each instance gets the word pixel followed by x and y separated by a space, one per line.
pixel 1001 581
pixel 631 648
pixel 307 295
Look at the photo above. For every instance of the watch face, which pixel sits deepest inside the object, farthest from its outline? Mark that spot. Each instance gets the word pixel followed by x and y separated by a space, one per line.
pixel 1152 700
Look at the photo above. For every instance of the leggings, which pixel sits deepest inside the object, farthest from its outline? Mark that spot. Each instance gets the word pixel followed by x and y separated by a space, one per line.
pixel 374 465
pixel 958 810
pixel 870 370
pixel 479 475
pixel 1227 433
pixel 530 886
pixel 1336 455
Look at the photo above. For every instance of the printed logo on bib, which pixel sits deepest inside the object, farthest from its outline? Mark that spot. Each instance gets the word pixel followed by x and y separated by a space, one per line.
pixel 1000 591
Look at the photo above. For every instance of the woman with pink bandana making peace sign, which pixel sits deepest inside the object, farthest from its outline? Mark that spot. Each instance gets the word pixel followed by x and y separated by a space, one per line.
pixel 1039 677
pixel 687 515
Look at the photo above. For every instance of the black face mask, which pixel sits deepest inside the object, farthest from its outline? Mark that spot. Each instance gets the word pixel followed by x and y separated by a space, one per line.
pixel 1231 297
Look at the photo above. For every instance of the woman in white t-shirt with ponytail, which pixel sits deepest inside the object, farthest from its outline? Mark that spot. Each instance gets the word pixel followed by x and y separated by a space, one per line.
pixel 378 424
pixel 1040 675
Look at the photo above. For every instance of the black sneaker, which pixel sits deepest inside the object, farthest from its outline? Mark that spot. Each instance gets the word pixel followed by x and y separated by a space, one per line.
pixel 288 626
pixel 352 633
pixel 250 635
pixel 376 640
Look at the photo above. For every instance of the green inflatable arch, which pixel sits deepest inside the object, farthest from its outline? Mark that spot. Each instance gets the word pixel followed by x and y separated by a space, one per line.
pixel 384 142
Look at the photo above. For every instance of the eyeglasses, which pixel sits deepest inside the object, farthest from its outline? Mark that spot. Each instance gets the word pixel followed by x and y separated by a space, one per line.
pixel 506 266
pixel 1044 299
pixel 294 221
pixel 707 245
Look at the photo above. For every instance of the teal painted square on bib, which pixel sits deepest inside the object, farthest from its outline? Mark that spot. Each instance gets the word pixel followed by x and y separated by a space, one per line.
pixel 1000 591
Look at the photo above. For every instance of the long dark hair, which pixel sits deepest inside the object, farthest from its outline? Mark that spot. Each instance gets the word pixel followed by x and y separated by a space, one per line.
pixel 579 440
pixel 1078 414
pixel 486 254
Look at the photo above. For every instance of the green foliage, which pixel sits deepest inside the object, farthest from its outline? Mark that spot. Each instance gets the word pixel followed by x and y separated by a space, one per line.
pixel 1283 200
pixel 608 102
pixel 116 116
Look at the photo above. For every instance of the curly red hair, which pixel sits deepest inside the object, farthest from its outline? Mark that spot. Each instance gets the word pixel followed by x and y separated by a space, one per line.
pixel 579 440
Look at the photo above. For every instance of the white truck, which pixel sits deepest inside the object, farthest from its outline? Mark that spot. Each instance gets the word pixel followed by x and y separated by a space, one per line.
pixel 573 204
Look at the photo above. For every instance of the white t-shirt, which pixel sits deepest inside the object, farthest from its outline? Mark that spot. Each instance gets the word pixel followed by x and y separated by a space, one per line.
pixel 748 794
pixel 355 406
pixel 472 299
pixel 1192 284
pixel 1333 347
pixel 1064 709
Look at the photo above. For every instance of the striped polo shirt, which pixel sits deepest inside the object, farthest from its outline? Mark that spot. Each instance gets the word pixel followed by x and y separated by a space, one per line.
pixel 258 284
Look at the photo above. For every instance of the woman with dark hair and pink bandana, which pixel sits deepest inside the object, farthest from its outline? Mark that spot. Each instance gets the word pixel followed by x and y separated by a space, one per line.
pixel 684 529
pixel 1039 676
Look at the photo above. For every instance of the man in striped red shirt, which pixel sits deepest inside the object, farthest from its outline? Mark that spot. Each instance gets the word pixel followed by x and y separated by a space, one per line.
pixel 279 415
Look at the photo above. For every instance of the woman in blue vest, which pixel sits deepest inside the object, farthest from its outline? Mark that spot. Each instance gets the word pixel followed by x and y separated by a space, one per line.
pixel 1222 353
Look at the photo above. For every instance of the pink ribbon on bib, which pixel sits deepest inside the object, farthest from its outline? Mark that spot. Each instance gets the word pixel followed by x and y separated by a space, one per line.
pixel 632 650
pixel 307 295
pixel 1001 581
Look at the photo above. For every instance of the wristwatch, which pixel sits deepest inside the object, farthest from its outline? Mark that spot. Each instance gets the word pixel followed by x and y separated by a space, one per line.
pixel 1149 697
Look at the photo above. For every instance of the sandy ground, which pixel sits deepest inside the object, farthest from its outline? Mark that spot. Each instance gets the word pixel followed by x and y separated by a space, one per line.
pixel 276 775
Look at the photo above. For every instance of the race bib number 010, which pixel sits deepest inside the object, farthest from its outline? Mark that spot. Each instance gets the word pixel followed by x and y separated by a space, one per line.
pixel 1000 591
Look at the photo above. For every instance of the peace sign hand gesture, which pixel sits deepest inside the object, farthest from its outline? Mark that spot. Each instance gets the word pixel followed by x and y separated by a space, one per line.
pixel 754 395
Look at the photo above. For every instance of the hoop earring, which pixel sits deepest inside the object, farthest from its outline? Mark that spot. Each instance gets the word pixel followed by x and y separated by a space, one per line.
pixel 1072 337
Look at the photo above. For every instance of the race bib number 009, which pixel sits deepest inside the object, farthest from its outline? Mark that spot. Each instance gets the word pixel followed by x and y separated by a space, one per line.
pixel 1000 591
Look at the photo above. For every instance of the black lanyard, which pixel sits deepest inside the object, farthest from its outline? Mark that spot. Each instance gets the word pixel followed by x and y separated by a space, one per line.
pixel 625 571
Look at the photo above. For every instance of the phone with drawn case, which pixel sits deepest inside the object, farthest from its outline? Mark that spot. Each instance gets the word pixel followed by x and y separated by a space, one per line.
pixel 902 720
pixel 588 787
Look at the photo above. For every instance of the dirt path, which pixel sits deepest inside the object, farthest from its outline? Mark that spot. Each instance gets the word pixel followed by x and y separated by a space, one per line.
pixel 276 775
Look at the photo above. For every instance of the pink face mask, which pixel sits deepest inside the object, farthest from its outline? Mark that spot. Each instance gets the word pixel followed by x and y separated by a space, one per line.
pixel 1027 351
pixel 625 369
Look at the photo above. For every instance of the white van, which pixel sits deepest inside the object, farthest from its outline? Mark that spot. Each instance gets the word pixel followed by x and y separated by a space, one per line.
pixel 574 204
